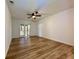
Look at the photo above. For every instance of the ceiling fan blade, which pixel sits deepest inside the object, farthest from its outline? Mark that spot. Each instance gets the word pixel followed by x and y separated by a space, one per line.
pixel 29 14
pixel 28 17
pixel 38 15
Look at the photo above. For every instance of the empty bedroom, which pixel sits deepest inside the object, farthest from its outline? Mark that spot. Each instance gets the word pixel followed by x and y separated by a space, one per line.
pixel 39 29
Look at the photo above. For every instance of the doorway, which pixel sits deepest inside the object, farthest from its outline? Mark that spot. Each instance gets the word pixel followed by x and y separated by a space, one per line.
pixel 24 30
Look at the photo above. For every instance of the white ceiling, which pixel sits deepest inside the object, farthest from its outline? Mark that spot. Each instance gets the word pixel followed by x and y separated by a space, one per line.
pixel 46 7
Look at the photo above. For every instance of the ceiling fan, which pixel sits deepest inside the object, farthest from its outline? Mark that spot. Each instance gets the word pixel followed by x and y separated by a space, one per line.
pixel 34 15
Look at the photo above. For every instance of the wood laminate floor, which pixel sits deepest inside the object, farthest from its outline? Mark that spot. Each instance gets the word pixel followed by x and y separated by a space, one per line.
pixel 39 48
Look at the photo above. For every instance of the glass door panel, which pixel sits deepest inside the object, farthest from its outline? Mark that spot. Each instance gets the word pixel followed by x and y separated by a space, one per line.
pixel 21 30
pixel 26 30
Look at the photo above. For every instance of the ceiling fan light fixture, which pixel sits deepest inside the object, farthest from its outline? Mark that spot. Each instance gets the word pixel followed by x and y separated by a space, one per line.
pixel 34 20
pixel 33 17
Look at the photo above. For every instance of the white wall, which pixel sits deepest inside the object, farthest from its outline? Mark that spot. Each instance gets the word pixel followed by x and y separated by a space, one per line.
pixel 7 29
pixel 58 27
pixel 16 27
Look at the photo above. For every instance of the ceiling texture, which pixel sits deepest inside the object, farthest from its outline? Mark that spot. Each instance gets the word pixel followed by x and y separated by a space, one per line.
pixel 20 8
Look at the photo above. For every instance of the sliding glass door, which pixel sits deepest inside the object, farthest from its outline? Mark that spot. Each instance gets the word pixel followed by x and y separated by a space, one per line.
pixel 24 30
